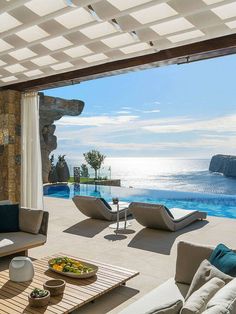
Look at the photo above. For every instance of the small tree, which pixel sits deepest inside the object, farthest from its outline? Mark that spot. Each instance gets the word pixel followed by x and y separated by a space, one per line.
pixel 84 171
pixel 95 159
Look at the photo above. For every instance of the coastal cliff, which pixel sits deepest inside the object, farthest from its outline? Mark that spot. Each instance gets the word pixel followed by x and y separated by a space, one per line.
pixel 52 109
pixel 225 164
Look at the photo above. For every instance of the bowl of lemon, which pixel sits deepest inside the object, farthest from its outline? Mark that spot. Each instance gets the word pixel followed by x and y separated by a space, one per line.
pixel 72 268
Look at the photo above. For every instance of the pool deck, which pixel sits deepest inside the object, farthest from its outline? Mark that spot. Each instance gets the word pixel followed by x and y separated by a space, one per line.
pixel 151 252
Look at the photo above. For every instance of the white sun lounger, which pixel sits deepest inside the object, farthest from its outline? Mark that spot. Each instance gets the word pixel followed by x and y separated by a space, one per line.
pixel 158 216
pixel 98 208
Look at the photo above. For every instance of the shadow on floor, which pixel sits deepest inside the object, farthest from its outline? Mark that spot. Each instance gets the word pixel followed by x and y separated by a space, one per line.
pixel 118 235
pixel 109 301
pixel 88 227
pixel 161 241
pixel 115 237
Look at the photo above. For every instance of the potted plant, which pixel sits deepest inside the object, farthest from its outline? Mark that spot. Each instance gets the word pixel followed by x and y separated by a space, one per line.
pixel 62 169
pixel 52 177
pixel 39 297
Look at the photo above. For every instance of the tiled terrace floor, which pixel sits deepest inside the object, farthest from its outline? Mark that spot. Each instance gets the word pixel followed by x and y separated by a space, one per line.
pixel 151 252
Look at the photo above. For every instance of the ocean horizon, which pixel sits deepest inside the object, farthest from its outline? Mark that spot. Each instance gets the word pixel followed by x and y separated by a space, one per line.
pixel 164 173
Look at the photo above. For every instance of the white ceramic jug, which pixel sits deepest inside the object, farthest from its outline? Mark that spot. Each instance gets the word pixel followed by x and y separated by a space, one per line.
pixel 21 269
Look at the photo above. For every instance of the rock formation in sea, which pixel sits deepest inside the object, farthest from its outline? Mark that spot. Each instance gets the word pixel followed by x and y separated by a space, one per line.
pixel 50 110
pixel 225 164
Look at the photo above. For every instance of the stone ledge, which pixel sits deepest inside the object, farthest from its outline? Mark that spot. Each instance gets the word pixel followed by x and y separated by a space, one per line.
pixel 115 182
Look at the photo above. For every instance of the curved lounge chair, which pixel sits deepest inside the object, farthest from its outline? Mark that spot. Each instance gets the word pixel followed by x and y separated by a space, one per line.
pixel 98 208
pixel 157 216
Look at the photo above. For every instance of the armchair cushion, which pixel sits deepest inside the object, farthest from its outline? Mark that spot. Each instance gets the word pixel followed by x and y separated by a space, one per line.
pixel 189 258
pixel 30 220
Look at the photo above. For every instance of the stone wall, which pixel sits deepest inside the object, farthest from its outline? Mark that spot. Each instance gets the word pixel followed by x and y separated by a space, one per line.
pixel 50 110
pixel 10 145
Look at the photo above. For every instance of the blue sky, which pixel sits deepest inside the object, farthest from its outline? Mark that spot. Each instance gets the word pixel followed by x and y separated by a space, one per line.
pixel 184 110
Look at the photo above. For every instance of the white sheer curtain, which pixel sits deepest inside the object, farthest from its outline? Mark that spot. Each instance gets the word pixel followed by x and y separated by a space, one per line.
pixel 31 163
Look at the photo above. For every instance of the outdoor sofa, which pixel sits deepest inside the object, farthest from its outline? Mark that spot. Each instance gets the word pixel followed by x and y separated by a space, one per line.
pixel 157 216
pixel 98 208
pixel 174 291
pixel 33 226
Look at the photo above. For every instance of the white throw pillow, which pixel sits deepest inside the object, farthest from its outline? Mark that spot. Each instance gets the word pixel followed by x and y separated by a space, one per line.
pixel 226 297
pixel 218 309
pixel 197 302
pixel 205 272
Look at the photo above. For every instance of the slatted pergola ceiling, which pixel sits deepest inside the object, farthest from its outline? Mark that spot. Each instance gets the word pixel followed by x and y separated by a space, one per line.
pixel 40 38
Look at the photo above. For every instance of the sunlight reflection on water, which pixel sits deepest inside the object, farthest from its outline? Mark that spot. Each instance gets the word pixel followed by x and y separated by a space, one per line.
pixel 180 174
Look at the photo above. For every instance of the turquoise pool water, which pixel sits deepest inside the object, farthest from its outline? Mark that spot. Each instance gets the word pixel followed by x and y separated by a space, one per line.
pixel 214 205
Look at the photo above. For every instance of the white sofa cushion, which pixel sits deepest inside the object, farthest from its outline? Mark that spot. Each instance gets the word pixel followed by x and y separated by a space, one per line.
pixel 168 308
pixel 197 302
pixel 218 309
pixel 225 297
pixel 167 293
pixel 205 272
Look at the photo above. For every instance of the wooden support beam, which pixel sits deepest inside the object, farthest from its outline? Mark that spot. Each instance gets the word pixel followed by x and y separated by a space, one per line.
pixel 211 48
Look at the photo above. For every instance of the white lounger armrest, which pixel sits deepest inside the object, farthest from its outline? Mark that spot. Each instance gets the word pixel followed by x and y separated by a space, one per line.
pixel 180 213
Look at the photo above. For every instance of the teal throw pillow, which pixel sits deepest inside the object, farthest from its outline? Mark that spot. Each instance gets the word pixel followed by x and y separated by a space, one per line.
pixel 224 259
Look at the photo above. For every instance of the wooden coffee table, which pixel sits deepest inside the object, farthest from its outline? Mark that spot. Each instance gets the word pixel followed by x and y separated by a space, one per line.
pixel 14 296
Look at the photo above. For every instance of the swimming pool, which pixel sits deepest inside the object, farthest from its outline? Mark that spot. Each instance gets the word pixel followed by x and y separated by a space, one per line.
pixel 214 205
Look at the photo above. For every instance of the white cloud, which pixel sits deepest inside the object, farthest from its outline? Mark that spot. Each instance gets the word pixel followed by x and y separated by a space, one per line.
pixel 126 108
pixel 133 133
pixel 224 143
pixel 151 103
pixel 96 120
pixel 123 112
pixel 221 124
pixel 151 111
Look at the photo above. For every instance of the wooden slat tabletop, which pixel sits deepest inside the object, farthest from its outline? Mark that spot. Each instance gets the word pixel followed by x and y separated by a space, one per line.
pixel 14 296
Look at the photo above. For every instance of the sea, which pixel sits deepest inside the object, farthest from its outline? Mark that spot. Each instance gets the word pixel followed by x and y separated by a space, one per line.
pixel 175 174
